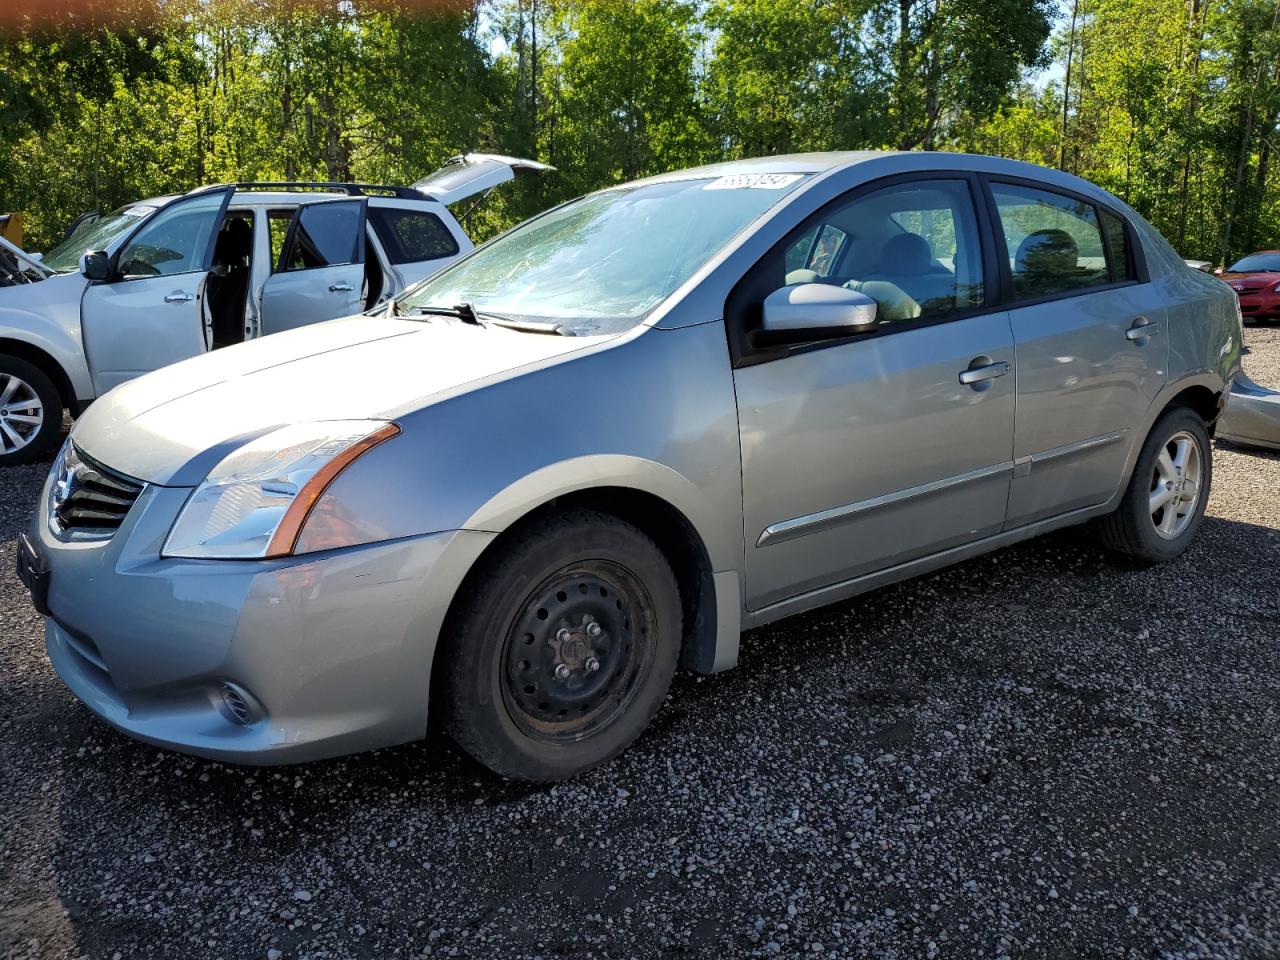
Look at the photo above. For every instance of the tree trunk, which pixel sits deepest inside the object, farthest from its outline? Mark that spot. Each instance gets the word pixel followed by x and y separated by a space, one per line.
pixel 1066 84
pixel 905 140
pixel 1246 136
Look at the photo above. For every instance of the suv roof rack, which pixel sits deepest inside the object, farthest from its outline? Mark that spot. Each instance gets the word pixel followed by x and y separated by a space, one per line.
pixel 350 189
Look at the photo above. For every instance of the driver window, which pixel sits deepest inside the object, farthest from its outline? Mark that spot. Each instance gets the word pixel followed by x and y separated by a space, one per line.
pixel 913 248
pixel 176 240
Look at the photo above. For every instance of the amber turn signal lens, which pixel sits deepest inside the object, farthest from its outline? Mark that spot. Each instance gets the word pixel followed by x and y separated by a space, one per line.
pixel 295 518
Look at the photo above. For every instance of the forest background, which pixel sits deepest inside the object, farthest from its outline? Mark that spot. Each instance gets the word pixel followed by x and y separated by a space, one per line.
pixel 1173 105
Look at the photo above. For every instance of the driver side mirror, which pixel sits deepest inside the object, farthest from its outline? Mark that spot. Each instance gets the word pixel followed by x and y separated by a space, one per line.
pixel 815 311
pixel 95 266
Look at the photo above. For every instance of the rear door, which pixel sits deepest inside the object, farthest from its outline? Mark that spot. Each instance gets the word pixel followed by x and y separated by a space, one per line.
pixel 149 314
pixel 319 274
pixel 1092 346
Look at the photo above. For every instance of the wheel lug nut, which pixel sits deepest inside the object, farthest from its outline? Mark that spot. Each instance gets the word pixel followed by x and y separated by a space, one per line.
pixel 562 671
pixel 594 629
pixel 592 664
pixel 563 636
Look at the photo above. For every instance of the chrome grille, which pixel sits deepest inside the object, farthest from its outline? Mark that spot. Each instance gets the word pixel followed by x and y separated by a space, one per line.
pixel 89 501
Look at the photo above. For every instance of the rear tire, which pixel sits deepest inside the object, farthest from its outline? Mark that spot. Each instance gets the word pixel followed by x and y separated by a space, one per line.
pixel 1164 503
pixel 561 647
pixel 30 412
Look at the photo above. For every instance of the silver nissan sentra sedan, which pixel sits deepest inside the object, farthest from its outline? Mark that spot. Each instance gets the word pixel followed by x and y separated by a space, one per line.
pixel 609 440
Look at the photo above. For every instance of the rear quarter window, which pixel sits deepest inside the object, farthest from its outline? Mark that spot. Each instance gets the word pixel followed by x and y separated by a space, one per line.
pixel 408 236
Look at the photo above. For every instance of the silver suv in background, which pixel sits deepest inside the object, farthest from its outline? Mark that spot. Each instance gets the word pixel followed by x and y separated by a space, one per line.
pixel 604 443
pixel 169 278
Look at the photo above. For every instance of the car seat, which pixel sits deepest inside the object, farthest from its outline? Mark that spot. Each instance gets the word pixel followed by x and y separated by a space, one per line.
pixel 1047 261
pixel 228 286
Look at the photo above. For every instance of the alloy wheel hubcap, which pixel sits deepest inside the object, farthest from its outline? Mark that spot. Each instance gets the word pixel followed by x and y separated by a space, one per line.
pixel 21 413
pixel 577 651
pixel 1176 485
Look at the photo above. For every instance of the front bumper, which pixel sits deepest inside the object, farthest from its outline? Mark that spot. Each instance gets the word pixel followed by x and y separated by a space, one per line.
pixel 1261 305
pixel 1252 417
pixel 332 650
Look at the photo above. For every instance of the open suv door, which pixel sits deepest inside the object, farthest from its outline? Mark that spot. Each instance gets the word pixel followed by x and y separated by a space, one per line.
pixel 470 174
pixel 320 272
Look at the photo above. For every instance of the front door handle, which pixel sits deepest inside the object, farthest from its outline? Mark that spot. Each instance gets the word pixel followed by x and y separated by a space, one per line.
pixel 179 296
pixel 1141 329
pixel 340 287
pixel 982 368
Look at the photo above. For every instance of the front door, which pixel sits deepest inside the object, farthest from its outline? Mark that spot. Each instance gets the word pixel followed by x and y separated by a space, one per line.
pixel 149 314
pixel 1091 342
pixel 320 271
pixel 862 454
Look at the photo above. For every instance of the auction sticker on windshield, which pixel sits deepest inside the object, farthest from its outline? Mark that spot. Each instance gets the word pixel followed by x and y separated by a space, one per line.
pixel 753 181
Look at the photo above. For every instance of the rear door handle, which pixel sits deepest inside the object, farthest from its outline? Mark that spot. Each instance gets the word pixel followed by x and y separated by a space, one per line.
pixel 179 296
pixel 1141 329
pixel 978 372
pixel 340 287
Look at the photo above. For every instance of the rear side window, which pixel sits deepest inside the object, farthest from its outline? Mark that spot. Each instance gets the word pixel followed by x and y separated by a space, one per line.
pixel 1117 247
pixel 1054 242
pixel 411 235
pixel 278 222
pixel 325 235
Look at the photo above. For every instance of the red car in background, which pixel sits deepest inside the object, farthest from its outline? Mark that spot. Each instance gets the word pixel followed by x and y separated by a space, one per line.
pixel 1256 281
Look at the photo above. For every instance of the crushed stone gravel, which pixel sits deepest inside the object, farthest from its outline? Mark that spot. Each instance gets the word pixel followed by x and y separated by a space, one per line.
pixel 1046 752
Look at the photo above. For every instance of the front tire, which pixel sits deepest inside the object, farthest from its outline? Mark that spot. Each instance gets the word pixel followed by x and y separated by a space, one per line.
pixel 1164 503
pixel 561 648
pixel 30 412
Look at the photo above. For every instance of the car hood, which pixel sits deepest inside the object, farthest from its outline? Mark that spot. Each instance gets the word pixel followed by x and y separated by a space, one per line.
pixel 172 426
pixel 1252 279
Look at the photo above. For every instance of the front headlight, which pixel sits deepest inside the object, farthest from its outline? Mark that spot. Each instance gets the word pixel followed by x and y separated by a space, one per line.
pixel 254 503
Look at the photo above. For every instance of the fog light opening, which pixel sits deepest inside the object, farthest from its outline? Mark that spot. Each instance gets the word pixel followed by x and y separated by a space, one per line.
pixel 237 704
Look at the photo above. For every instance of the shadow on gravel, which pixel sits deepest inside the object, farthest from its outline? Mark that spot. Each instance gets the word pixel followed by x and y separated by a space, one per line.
pixel 923 763
pixel 1043 715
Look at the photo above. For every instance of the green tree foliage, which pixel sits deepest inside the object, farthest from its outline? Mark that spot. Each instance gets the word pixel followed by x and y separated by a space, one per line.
pixel 1172 104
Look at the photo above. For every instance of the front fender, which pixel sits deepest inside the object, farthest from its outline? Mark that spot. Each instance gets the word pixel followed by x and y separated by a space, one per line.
pixel 609 470
pixel 50 324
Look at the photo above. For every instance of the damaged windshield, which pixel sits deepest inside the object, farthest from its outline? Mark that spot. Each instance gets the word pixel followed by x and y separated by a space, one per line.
pixel 601 263
pixel 94 235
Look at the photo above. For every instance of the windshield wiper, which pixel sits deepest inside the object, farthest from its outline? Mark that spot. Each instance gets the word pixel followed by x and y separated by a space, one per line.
pixel 463 311
pixel 469 314
pixel 529 326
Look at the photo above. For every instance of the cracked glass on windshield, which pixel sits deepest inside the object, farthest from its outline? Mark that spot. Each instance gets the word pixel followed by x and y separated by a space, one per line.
pixel 601 263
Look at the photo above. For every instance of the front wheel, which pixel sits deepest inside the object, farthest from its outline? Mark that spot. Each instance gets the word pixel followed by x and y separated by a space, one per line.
pixel 562 647
pixel 30 412
pixel 1165 501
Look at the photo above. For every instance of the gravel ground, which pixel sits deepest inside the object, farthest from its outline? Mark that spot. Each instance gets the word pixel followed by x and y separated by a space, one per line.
pixel 1042 753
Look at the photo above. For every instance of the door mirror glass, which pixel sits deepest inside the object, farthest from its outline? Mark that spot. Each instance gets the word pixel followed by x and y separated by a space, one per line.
pixel 95 266
pixel 816 311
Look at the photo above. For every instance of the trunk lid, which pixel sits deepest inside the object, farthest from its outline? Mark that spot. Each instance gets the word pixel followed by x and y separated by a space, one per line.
pixel 468 174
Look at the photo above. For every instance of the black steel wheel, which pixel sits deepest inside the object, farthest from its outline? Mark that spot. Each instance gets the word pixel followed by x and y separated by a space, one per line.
pixel 577 650
pixel 560 647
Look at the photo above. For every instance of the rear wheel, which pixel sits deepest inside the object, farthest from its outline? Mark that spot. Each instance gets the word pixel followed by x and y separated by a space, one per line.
pixel 562 648
pixel 1164 504
pixel 30 412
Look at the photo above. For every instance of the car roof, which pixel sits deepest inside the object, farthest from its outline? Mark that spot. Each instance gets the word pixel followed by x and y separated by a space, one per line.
pixel 781 163
pixel 268 197
pixel 908 161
